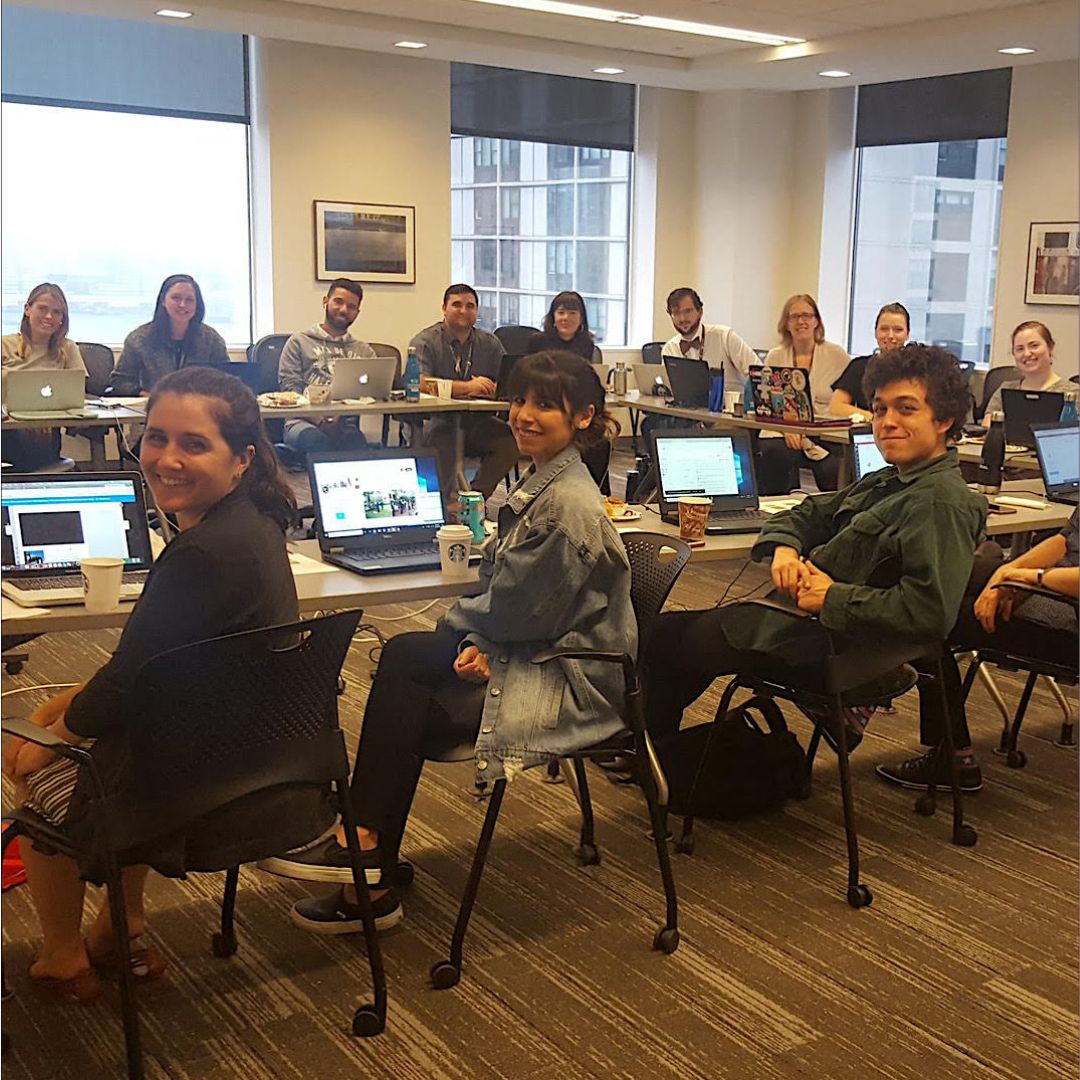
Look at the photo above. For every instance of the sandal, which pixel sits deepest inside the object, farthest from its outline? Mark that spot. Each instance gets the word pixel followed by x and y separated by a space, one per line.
pixel 147 963
pixel 81 989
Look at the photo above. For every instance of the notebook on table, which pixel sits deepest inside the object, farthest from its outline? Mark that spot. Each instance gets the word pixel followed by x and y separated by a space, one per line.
pixel 354 378
pixel 1058 448
pixel 1026 407
pixel 867 457
pixel 690 382
pixel 710 465
pixel 46 394
pixel 52 521
pixel 782 396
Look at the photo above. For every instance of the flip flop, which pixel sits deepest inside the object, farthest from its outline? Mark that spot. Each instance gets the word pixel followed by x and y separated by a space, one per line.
pixel 81 989
pixel 147 963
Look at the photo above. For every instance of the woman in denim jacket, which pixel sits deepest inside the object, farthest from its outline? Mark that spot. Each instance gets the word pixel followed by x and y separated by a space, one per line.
pixel 556 575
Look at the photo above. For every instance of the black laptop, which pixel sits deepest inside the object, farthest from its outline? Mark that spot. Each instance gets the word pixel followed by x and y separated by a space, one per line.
pixel 1026 407
pixel 709 464
pixel 506 368
pixel 690 381
pixel 1058 447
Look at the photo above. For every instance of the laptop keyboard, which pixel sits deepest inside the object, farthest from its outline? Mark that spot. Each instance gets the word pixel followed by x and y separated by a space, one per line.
pixel 739 515
pixel 401 551
pixel 70 581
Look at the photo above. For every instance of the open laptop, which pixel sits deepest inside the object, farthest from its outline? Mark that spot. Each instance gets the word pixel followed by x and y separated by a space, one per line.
pixel 1026 407
pixel 377 511
pixel 864 451
pixel 373 378
pixel 690 381
pixel 714 465
pixel 782 396
pixel 53 520
pixel 45 394
pixel 651 380
pixel 1058 448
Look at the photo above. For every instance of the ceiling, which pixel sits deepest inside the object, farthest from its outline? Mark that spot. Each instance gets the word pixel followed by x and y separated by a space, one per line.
pixel 875 40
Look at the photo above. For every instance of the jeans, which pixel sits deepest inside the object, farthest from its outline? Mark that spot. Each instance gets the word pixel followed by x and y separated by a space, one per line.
pixel 486 437
pixel 307 438
pixel 778 467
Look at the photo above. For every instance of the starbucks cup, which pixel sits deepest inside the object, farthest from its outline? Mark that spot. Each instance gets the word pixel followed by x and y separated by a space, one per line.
pixel 102 578
pixel 455 541
pixel 693 514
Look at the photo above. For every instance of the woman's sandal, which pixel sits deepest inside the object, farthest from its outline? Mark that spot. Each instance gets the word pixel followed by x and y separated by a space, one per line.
pixel 81 989
pixel 147 963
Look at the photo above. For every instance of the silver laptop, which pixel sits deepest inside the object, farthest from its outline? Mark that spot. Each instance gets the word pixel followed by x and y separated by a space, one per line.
pixel 52 521
pixel 373 378
pixel 648 376
pixel 45 394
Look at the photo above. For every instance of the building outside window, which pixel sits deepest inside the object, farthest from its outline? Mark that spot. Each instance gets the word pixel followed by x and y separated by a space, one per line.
pixel 561 217
pixel 926 234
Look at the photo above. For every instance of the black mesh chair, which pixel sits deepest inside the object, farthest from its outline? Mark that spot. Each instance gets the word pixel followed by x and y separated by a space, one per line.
pixel 994 378
pixel 651 352
pixel 845 680
pixel 598 462
pixel 265 354
pixel 1011 660
pixel 653 577
pixel 515 339
pixel 220 720
pixel 99 361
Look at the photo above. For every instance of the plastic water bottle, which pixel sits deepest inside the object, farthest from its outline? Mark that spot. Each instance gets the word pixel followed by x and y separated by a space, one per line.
pixel 993 456
pixel 1068 409
pixel 748 397
pixel 412 376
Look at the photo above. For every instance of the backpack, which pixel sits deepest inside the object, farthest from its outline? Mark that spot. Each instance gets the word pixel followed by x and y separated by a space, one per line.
pixel 732 768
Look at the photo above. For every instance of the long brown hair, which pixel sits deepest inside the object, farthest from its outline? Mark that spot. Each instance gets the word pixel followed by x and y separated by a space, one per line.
pixel 58 336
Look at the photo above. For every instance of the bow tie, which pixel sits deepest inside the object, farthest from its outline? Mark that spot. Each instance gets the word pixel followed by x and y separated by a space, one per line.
pixel 686 346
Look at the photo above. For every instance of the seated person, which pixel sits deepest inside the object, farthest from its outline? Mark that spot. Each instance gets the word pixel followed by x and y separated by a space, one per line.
pixel 1033 355
pixel 175 337
pixel 474 669
pixel 990 618
pixel 41 342
pixel 886 557
pixel 307 359
pixel 566 327
pixel 891 330
pixel 207 461
pixel 459 361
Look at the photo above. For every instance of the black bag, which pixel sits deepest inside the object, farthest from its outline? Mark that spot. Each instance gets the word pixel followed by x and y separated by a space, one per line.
pixel 732 768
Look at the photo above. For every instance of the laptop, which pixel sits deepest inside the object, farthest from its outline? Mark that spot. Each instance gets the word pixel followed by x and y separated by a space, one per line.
pixel 714 465
pixel 355 378
pixel 1058 448
pixel 46 394
pixel 53 520
pixel 1026 407
pixel 782 396
pixel 690 382
pixel 377 511
pixel 867 457
pixel 649 377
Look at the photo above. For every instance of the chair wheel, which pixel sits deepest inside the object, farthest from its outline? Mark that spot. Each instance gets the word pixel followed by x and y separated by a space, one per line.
pixel 860 896
pixel 685 845
pixel 444 974
pixel 588 855
pixel 403 876
pixel 223 946
pixel 1016 759
pixel 366 1022
pixel 666 940
pixel 925 805
pixel 14 667
pixel 965 836
pixel 553 778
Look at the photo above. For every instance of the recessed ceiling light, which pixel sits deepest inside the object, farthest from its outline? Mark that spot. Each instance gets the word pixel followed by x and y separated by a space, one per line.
pixel 609 71
pixel 1016 50
pixel 410 44
pixel 173 13
pixel 835 74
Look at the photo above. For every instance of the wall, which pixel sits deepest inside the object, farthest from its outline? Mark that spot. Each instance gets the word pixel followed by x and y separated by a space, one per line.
pixel 1041 184
pixel 349 126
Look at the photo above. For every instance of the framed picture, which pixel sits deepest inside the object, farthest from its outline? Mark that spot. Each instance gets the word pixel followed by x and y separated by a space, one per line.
pixel 366 242
pixel 1053 269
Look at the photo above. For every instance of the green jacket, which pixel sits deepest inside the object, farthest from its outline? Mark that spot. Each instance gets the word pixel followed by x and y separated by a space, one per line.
pixel 899 548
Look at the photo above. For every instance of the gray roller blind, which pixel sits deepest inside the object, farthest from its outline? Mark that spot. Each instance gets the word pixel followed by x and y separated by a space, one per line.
pixel 53 58
pixel 503 104
pixel 945 109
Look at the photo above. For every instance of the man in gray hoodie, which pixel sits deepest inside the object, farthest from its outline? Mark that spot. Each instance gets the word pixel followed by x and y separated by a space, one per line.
pixel 308 359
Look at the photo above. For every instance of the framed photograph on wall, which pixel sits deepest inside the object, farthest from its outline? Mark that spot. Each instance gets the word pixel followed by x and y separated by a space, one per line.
pixel 1053 270
pixel 365 241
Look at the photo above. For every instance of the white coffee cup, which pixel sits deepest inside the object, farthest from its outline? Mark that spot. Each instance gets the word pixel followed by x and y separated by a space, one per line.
pixel 455 542
pixel 318 394
pixel 102 577
pixel 731 399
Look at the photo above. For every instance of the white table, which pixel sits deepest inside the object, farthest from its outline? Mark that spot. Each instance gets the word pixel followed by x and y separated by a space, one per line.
pixel 101 417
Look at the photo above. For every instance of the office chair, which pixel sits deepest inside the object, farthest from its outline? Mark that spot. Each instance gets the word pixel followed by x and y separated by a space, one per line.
pixel 266 355
pixel 515 339
pixel 99 361
pixel 651 352
pixel 994 378
pixel 394 353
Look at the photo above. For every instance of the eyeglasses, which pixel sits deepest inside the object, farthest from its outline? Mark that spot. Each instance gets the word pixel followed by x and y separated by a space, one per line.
pixel 803 316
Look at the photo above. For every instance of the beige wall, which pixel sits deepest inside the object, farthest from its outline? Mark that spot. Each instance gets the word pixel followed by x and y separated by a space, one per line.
pixel 349 126
pixel 1041 184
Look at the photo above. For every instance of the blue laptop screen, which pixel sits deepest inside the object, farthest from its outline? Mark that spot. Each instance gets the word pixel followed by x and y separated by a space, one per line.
pixel 709 466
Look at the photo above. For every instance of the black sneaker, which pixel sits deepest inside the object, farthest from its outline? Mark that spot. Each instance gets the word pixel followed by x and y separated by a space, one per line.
pixel 918 772
pixel 333 914
pixel 326 861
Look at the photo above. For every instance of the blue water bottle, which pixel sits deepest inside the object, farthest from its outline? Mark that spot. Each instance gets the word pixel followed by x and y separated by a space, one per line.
pixel 748 397
pixel 1068 409
pixel 412 376
pixel 716 393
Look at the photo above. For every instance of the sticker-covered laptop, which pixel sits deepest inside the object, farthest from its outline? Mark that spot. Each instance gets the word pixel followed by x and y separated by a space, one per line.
pixel 782 396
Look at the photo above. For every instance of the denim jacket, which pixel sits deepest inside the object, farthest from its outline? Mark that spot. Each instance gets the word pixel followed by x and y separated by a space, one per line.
pixel 556 575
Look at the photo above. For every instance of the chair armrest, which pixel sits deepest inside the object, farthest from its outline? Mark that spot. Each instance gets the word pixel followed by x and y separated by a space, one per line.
pixel 628 663
pixel 31 732
pixel 1039 590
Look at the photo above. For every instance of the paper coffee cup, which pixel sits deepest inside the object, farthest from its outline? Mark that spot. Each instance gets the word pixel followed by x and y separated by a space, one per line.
pixel 102 577
pixel 455 542
pixel 693 514
pixel 731 399
pixel 318 394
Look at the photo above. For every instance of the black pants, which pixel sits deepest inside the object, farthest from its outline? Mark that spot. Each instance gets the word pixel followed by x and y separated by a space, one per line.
pixel 778 467
pixel 416 704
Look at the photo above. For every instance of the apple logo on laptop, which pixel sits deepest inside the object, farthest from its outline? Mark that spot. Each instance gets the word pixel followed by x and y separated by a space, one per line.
pixel 46 391
pixel 363 378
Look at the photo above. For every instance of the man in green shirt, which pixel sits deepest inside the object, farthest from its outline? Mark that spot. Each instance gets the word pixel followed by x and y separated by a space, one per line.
pixel 887 557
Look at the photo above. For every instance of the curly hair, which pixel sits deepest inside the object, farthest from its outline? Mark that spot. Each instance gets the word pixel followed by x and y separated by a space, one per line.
pixel 939 371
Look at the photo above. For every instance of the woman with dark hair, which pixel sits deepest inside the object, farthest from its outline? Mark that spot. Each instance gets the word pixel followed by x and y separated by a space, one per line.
pixel 555 575
pixel 566 328
pixel 892 328
pixel 207 462
pixel 174 337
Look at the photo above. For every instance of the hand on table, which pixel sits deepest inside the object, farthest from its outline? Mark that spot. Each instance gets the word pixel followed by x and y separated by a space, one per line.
pixel 794 442
pixel 788 571
pixel 472 665
pixel 480 386
pixel 812 589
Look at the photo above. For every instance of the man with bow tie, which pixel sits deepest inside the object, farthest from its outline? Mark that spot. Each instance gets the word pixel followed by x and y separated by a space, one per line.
pixel 719 346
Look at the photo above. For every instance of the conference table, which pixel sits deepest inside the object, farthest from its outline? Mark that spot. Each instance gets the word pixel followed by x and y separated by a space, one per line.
pixel 102 414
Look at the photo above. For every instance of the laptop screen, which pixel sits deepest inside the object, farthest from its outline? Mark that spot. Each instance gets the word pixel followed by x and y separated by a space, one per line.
pixel 710 465
pixel 375 495
pixel 50 523
pixel 868 457
pixel 1059 455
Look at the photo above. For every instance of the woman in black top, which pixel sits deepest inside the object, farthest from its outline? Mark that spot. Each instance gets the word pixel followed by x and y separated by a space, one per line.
pixel 891 330
pixel 207 461
pixel 566 329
